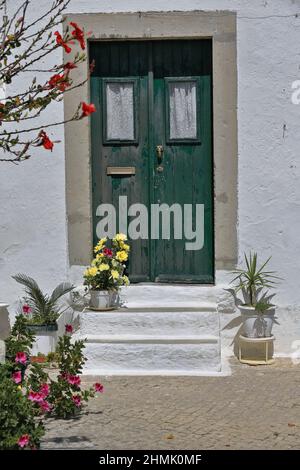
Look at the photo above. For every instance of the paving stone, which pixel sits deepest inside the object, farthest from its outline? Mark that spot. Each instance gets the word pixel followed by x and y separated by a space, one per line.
pixel 254 408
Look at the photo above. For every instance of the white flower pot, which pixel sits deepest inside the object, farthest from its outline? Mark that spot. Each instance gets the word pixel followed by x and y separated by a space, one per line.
pixel 46 338
pixel 256 324
pixel 100 299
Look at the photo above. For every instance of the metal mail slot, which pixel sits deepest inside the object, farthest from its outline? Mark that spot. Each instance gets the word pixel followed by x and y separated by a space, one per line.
pixel 120 170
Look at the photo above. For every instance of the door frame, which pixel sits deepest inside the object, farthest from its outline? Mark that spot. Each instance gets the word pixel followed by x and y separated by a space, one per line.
pixel 220 26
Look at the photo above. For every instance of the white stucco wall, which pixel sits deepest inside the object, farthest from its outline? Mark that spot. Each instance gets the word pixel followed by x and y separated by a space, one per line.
pixel 32 211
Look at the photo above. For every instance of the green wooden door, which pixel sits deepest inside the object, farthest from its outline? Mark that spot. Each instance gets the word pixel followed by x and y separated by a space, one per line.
pixel 152 142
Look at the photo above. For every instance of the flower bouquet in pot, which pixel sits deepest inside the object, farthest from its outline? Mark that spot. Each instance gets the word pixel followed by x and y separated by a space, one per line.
pixel 257 310
pixel 106 275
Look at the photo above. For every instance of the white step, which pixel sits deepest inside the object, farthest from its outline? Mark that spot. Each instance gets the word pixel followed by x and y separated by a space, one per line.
pixel 151 322
pixel 160 330
pixel 152 355
pixel 169 295
pixel 153 341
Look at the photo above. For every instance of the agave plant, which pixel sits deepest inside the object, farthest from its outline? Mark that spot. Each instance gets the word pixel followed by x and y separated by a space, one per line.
pixel 252 280
pixel 45 308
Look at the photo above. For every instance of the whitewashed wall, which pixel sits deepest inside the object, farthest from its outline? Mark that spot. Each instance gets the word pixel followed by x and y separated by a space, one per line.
pixel 32 211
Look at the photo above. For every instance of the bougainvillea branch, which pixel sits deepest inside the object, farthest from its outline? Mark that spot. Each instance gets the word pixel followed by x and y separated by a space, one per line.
pixel 22 45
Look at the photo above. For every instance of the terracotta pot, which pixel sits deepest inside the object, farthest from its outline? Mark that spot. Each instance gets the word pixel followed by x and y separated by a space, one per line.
pixel 38 359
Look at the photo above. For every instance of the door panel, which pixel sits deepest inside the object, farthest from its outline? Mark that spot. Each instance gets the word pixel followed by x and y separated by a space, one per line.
pixel 121 66
pixel 151 93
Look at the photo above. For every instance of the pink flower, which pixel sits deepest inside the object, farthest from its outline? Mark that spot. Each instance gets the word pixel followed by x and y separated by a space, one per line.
pixel 45 141
pixel 76 400
pixel 21 357
pixel 35 396
pixel 70 66
pixel 44 390
pixel 74 380
pixel 107 252
pixel 45 406
pixel 26 309
pixel 23 440
pixel 87 109
pixel 69 328
pixel 61 42
pixel 98 387
pixel 17 377
pixel 78 34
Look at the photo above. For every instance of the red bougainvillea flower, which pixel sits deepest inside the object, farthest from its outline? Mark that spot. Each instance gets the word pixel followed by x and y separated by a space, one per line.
pixel 45 406
pixel 78 34
pixel 44 390
pixel 70 66
pixel 98 387
pixel 59 81
pixel 26 309
pixel 23 440
pixel 74 380
pixel 87 109
pixel 61 42
pixel 69 328
pixel 107 252
pixel 21 358
pixel 35 396
pixel 17 377
pixel 46 142
pixel 76 400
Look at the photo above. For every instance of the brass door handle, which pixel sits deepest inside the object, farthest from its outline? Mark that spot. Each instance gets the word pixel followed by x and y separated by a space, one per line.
pixel 159 151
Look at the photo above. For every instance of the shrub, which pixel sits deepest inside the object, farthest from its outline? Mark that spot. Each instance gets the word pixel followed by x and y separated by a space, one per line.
pixel 66 395
pixel 19 425
pixel 28 394
pixel 20 339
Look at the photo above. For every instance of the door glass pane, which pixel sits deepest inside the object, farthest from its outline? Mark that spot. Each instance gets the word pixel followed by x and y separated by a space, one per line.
pixel 183 112
pixel 120 111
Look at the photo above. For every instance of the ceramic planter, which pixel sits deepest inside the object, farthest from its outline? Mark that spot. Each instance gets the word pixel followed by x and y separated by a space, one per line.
pixel 101 299
pixel 46 338
pixel 256 324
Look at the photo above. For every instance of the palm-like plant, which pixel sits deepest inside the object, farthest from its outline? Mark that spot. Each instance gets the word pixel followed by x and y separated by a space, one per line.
pixel 44 308
pixel 252 280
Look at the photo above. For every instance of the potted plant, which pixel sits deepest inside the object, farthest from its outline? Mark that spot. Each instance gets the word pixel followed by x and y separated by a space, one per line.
pixel 42 312
pixel 106 275
pixel 254 282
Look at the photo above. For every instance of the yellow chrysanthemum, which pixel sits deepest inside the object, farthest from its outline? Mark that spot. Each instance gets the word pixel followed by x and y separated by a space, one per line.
pixel 125 280
pixel 115 274
pixel 99 256
pixel 124 246
pixel 103 267
pixel 120 237
pixel 121 256
pixel 100 244
pixel 92 271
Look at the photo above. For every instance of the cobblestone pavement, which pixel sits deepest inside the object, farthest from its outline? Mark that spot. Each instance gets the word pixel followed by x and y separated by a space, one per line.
pixel 255 408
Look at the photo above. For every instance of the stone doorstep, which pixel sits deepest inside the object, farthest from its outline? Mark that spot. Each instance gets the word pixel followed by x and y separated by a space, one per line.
pixel 150 323
pixel 170 296
pixel 161 330
pixel 153 355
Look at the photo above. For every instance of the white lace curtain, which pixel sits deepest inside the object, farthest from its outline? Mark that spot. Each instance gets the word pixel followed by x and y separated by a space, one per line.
pixel 183 112
pixel 120 111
